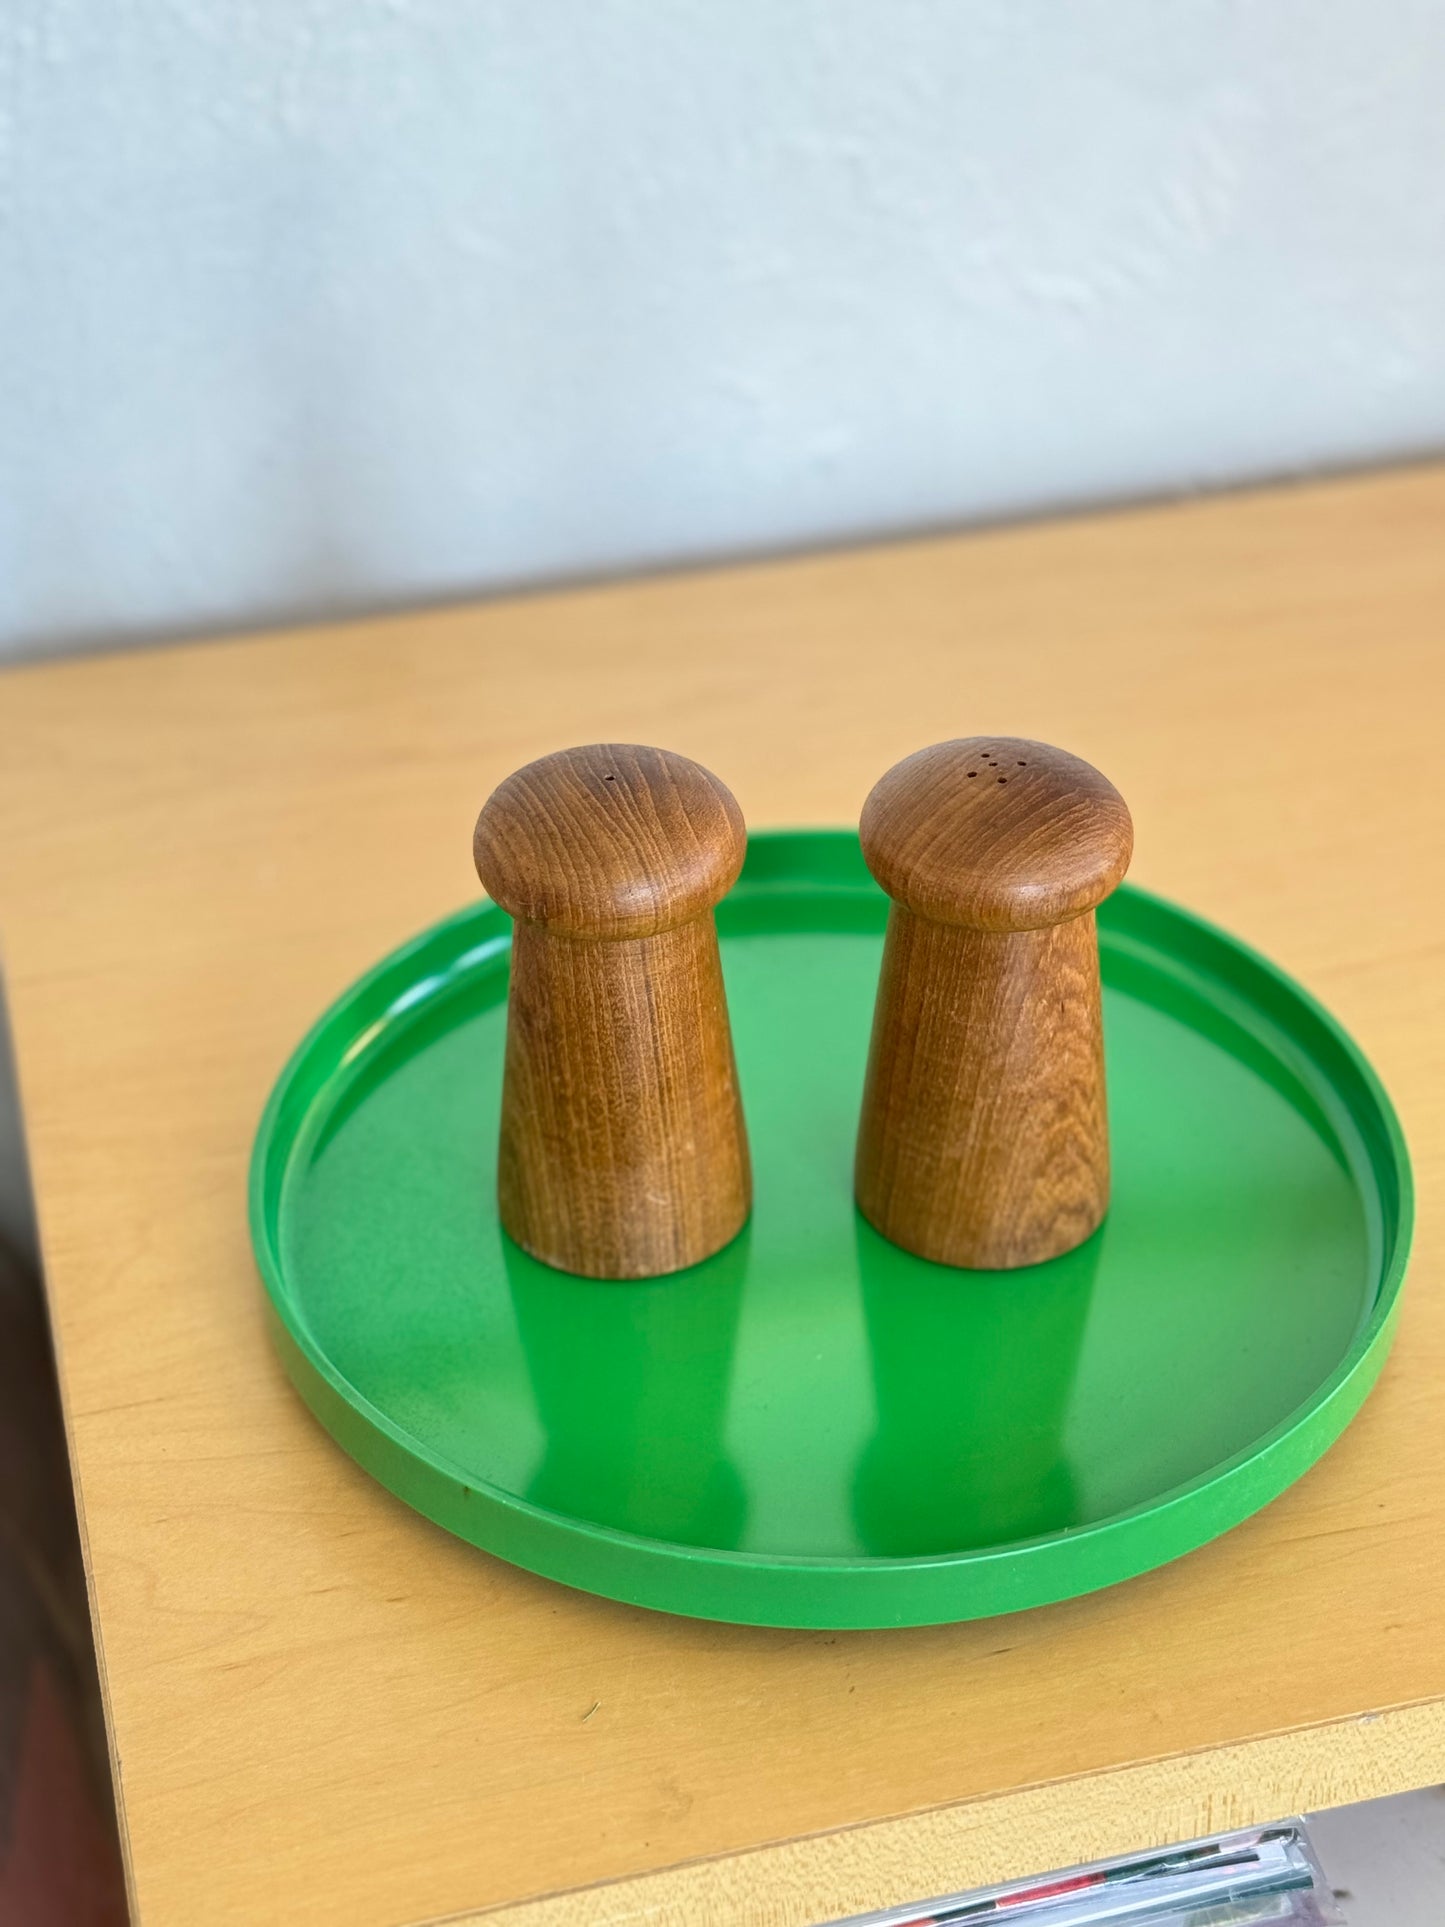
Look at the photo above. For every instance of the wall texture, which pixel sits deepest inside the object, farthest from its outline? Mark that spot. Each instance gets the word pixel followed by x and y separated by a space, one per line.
pixel 307 304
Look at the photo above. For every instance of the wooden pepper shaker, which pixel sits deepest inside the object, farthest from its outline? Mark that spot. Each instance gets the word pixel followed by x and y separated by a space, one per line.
pixel 984 1134
pixel 623 1153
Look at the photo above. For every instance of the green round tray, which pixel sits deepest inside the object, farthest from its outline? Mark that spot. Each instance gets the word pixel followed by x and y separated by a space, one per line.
pixel 815 1428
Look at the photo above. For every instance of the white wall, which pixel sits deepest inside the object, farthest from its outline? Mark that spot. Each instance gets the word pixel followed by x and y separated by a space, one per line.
pixel 306 304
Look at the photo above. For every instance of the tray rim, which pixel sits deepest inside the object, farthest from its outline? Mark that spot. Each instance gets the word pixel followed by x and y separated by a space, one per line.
pixel 852 1591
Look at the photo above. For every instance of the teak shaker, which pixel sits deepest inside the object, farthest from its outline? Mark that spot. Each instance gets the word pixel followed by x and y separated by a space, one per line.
pixel 623 1153
pixel 984 1133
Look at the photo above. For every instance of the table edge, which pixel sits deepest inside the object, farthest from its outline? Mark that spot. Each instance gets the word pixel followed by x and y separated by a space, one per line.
pixel 826 1877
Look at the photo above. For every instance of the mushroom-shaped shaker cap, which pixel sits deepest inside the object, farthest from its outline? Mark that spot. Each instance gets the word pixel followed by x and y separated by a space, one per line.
pixel 611 840
pixel 997 833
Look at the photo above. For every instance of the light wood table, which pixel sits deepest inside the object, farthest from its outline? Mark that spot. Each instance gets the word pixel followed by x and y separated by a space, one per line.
pixel 322 1708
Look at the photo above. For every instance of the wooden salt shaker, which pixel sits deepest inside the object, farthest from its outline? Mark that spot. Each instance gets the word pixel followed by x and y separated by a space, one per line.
pixel 623 1153
pixel 984 1134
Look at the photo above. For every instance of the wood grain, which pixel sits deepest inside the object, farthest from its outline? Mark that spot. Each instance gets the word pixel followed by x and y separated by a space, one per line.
pixel 984 1139
pixel 996 833
pixel 322 1708
pixel 622 1151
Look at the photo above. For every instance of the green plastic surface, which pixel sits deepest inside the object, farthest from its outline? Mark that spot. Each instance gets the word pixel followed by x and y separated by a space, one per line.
pixel 815 1428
